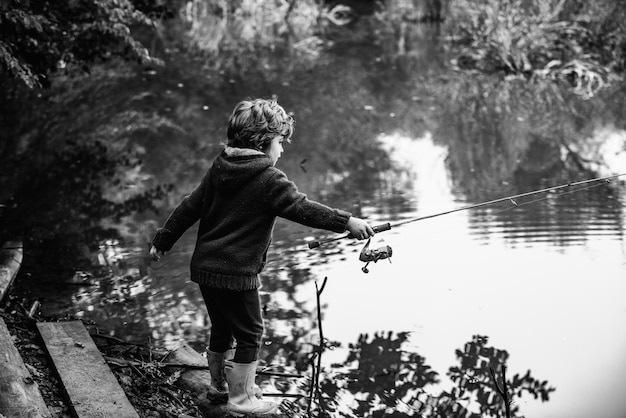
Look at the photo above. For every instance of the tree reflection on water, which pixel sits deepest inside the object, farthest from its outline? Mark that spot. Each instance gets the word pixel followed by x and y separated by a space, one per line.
pixel 381 375
pixel 380 378
pixel 506 137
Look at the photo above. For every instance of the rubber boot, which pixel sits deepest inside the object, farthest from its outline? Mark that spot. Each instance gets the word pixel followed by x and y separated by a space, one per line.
pixel 229 365
pixel 218 390
pixel 242 398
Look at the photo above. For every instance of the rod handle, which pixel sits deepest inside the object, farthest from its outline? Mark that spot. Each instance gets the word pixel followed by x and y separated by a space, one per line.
pixel 315 244
pixel 382 227
pixel 378 228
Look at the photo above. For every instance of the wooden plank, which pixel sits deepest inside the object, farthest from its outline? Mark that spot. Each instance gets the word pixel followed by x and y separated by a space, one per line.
pixel 92 388
pixel 19 394
pixel 10 262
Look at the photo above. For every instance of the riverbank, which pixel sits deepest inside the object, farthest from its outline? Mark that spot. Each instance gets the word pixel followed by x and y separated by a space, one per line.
pixel 151 391
pixel 156 381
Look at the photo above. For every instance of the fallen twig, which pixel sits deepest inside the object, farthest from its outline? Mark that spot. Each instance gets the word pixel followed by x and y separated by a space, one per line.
pixel 128 363
pixel 33 309
pixel 322 345
pixel 283 395
pixel 312 386
pixel 132 366
pixel 278 374
pixel 172 395
pixel 113 339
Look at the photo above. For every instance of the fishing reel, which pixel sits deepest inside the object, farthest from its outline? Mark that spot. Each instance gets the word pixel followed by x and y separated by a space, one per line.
pixel 372 255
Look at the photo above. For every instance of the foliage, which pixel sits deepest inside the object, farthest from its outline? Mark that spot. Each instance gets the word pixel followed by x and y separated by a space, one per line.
pixel 606 20
pixel 474 382
pixel 216 26
pixel 547 38
pixel 506 135
pixel 382 364
pixel 62 198
pixel 380 378
pixel 38 38
pixel 68 165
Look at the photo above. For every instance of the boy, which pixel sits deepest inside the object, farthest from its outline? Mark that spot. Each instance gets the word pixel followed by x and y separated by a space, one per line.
pixel 237 203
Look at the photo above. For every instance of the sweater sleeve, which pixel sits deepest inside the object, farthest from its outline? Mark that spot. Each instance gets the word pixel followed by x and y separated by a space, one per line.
pixel 182 218
pixel 287 202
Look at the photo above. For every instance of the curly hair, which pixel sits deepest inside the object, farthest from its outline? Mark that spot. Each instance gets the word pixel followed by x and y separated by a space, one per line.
pixel 255 122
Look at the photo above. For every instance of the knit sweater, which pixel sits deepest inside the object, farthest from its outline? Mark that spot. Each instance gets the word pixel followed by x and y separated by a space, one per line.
pixel 237 203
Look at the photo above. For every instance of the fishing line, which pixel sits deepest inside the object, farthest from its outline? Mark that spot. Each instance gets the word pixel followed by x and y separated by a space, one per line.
pixel 606 180
pixel 368 255
pixel 516 205
pixel 387 226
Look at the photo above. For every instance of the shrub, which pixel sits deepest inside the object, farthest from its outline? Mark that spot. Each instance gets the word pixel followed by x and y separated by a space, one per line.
pixel 580 43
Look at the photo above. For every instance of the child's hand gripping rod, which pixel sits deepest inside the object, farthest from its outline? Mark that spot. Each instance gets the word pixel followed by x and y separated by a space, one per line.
pixel 377 228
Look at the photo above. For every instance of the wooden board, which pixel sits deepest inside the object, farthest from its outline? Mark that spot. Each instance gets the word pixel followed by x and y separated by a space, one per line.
pixel 19 394
pixel 10 261
pixel 92 388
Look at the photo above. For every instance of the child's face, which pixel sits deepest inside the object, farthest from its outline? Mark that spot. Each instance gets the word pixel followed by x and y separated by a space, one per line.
pixel 275 149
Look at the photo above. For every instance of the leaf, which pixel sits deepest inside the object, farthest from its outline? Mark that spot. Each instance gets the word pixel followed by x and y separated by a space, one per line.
pixel 173 377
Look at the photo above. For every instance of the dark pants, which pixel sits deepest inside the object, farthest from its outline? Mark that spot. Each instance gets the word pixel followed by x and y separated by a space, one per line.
pixel 234 314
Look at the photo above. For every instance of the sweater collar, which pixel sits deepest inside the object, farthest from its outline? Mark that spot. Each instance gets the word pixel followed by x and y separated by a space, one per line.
pixel 241 152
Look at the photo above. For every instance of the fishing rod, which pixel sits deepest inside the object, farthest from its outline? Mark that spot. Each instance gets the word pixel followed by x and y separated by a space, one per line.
pixel 373 255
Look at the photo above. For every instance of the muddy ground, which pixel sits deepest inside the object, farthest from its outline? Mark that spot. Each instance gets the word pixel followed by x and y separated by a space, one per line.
pixel 150 388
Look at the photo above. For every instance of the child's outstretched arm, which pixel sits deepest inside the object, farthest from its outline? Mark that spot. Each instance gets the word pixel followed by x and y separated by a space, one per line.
pixel 184 216
pixel 289 203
